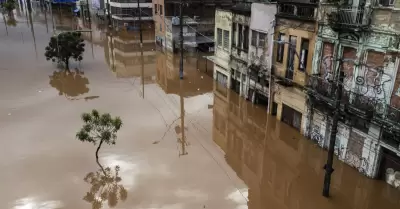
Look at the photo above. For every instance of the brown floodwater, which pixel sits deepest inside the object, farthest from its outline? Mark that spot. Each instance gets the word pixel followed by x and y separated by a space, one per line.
pixel 183 144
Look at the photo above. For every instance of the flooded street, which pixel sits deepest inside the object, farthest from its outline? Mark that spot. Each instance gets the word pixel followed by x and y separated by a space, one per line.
pixel 184 144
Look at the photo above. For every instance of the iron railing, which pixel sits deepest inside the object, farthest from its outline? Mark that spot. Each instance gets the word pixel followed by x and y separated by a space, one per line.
pixel 348 17
pixel 297 11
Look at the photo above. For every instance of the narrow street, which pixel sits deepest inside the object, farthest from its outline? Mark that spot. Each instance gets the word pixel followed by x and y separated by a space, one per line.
pixel 228 155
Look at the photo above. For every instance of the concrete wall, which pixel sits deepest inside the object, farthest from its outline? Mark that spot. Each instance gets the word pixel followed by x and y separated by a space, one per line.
pixel 367 162
pixel 159 22
pixel 262 20
pixel 223 20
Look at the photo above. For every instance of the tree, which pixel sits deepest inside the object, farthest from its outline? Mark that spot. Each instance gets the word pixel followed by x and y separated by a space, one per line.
pixel 9 6
pixel 64 46
pixel 99 129
pixel 105 186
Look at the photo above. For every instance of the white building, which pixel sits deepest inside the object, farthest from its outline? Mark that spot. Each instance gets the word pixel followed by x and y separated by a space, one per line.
pixel 260 52
pixel 221 58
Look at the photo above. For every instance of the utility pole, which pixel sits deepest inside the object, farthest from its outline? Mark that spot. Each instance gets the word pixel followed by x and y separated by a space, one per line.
pixel 181 40
pixel 328 166
pixel 89 15
pixel 140 23
pixel 141 44
pixel 29 5
pixel 182 103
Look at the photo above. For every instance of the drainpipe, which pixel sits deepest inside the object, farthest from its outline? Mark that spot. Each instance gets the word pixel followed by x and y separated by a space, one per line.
pixel 270 80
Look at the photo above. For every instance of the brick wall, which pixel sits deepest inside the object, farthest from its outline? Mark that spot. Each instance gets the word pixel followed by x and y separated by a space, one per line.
pixel 375 60
pixel 348 67
pixel 326 63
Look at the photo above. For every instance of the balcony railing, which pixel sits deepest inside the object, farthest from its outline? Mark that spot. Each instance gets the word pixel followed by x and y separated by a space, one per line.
pixel 350 18
pixel 295 11
pixel 321 86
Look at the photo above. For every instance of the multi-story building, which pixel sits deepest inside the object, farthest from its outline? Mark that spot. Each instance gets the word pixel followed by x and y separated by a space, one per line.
pixel 221 59
pixel 198 18
pixel 239 47
pixel 260 52
pixel 358 45
pixel 295 33
pixel 125 13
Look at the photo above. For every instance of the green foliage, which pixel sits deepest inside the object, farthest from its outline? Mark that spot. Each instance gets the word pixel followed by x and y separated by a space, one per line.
pixel 64 46
pixel 105 186
pixel 99 128
pixel 9 5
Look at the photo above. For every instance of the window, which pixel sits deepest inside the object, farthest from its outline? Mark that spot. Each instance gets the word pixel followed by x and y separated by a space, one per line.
pixel 226 39
pixel 303 54
pixel 246 38
pixel 261 39
pixel 155 8
pixel 219 36
pixel 253 38
pixel 281 48
pixel 234 34
pixel 387 3
pixel 240 41
pixel 161 10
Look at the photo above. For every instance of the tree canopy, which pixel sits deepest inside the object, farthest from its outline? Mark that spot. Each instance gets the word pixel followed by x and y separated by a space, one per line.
pixel 64 46
pixel 9 5
pixel 99 128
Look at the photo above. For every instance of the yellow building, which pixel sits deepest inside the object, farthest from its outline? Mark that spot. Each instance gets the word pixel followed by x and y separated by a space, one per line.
pixel 295 34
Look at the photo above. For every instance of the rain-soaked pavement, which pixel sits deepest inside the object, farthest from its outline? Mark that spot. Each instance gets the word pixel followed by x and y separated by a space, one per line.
pixel 232 156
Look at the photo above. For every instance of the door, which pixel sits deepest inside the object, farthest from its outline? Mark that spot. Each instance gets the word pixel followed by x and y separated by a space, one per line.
pixel 390 163
pixel 291 117
pixel 291 57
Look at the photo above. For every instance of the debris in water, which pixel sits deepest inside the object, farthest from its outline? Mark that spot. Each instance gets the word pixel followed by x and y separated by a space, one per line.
pixel 201 77
pixel 156 142
pixel 9 113
pixel 198 89
pixel 40 91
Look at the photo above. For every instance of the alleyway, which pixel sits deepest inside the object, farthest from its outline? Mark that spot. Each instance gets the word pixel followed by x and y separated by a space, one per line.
pixel 232 156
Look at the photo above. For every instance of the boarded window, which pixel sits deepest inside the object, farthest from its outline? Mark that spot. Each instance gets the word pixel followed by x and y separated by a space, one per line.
pixel 375 62
pixel 348 67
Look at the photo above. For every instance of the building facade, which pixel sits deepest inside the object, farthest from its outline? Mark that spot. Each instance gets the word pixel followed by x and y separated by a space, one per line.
pixel 221 58
pixel 260 52
pixel 125 13
pixel 295 33
pixel 240 47
pixel 357 45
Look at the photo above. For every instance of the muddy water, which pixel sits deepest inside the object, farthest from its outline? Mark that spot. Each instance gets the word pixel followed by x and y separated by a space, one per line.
pixel 284 170
pixel 228 155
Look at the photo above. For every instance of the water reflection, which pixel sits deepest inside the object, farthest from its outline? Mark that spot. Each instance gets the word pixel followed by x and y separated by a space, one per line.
pixel 124 56
pixel 70 84
pixel 105 186
pixel 194 82
pixel 284 170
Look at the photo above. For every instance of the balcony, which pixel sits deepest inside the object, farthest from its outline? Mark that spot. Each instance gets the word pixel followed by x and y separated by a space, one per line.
pixel 321 87
pixel 349 18
pixel 297 11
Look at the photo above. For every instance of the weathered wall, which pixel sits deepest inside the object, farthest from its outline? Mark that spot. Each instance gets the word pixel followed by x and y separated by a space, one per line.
pixel 262 20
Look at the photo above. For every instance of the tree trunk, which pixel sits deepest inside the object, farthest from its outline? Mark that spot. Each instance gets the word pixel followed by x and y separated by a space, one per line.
pixel 101 167
pixel 98 148
pixel 67 65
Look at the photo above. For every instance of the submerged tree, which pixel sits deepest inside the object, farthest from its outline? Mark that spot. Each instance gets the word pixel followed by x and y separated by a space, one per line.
pixel 105 186
pixel 64 46
pixel 99 129
pixel 9 6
